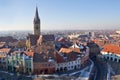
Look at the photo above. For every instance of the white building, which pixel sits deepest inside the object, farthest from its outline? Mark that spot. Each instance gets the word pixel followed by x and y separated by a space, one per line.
pixel 111 52
pixel 72 36
pixel 68 65
pixel 73 57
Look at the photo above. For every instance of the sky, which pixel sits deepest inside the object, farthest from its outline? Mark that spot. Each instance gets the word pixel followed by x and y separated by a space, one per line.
pixel 60 14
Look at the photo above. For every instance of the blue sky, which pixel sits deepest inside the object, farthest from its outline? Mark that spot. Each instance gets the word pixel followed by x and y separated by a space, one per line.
pixel 60 14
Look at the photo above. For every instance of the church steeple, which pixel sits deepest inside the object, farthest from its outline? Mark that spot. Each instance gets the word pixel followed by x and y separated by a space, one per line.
pixel 36 18
pixel 36 23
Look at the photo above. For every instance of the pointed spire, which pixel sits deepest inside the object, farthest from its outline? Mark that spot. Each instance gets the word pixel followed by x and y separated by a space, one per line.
pixel 36 14
pixel 36 18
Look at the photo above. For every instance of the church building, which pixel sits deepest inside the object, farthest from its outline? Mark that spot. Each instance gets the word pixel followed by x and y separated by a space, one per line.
pixel 32 38
pixel 46 59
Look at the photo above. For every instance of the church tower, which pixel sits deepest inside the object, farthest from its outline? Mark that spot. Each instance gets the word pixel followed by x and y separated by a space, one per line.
pixel 36 23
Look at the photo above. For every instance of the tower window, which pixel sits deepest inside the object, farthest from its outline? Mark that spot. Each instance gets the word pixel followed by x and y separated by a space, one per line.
pixel 36 27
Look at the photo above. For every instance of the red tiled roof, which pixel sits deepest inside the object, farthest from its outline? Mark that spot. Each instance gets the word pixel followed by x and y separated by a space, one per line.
pixel 6 50
pixel 72 56
pixel 68 50
pixel 65 50
pixel 33 39
pixel 61 39
pixel 31 54
pixel 111 48
pixel 59 58
pixel 2 44
pixel 45 38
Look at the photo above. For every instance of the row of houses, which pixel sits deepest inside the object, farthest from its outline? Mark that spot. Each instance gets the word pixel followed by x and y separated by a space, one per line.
pixel 40 55
pixel 29 61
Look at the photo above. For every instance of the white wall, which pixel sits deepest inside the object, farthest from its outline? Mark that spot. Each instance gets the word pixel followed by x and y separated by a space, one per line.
pixel 111 56
pixel 70 64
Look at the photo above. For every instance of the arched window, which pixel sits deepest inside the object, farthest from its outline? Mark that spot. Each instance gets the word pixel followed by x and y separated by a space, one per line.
pixel 107 57
pixel 65 68
pixel 75 67
pixel 72 67
pixel 57 69
pixel 41 71
pixel 61 69
pixel 30 69
pixel 46 71
pixel 111 59
pixel 115 59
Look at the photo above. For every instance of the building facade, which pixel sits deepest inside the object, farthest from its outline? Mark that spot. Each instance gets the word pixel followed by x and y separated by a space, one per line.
pixel 19 62
pixel 73 57
pixel 111 52
pixel 3 55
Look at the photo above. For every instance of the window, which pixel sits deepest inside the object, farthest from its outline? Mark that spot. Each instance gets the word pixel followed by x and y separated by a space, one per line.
pixel 119 60
pixel 36 27
pixel 107 57
pixel 115 59
pixel 57 69
pixel 111 58
pixel 30 69
pixel 69 63
pixel 71 66
pixel 17 63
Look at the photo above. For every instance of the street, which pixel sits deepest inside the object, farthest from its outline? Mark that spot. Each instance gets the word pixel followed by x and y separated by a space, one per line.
pixel 12 76
pixel 101 69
